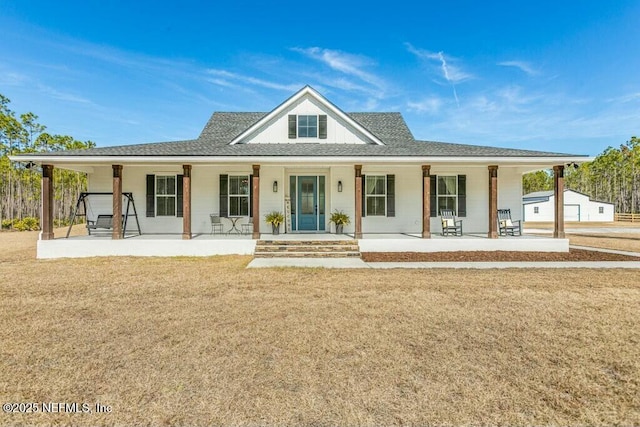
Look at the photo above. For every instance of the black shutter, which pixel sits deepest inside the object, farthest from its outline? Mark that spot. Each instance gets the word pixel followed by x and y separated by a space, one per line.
pixel 151 195
pixel 292 126
pixel 251 196
pixel 364 196
pixel 433 196
pixel 391 195
pixel 179 195
pixel 462 195
pixel 322 126
pixel 224 192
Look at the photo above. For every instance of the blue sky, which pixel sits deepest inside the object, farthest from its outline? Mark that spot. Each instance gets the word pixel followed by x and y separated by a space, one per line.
pixel 551 75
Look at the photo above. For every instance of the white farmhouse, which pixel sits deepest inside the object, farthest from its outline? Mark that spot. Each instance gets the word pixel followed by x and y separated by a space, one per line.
pixel 306 158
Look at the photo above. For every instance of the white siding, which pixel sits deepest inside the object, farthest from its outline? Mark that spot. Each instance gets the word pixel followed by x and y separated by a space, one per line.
pixel 277 130
pixel 577 207
pixel 408 195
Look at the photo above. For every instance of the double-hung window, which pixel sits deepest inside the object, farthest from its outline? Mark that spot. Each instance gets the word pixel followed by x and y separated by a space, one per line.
pixel 447 193
pixel 165 195
pixel 239 195
pixel 376 195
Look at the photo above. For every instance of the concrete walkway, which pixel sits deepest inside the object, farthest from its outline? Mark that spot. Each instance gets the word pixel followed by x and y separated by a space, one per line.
pixel 359 263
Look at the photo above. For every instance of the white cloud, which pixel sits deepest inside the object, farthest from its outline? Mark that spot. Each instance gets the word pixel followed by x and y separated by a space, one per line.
pixel 10 78
pixel 227 75
pixel 625 98
pixel 63 96
pixel 349 64
pixel 430 105
pixel 451 72
pixel 522 66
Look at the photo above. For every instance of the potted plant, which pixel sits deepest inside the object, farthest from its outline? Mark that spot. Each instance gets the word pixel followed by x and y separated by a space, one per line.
pixel 340 219
pixel 274 218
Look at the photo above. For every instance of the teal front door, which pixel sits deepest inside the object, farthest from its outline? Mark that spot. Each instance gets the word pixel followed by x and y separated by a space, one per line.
pixel 308 199
pixel 308 203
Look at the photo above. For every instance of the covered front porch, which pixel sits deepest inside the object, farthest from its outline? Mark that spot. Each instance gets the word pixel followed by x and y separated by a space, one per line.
pixel 200 245
pixel 378 198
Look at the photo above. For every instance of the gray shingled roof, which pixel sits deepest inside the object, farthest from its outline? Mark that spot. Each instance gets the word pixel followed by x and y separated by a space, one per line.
pixel 390 128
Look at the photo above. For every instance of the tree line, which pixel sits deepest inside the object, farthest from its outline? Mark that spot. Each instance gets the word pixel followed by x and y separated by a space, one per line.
pixel 613 176
pixel 20 184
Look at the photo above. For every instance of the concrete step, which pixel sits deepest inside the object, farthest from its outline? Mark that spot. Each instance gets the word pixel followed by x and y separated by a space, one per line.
pixel 308 242
pixel 346 254
pixel 307 248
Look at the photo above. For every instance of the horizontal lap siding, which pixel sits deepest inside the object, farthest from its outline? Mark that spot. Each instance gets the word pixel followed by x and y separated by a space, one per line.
pixel 408 201
pixel 408 189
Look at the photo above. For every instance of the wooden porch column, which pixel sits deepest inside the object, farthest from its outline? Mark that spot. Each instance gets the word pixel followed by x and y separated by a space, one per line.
pixel 47 203
pixel 256 201
pixel 426 201
pixel 117 202
pixel 493 202
pixel 558 192
pixel 186 202
pixel 358 218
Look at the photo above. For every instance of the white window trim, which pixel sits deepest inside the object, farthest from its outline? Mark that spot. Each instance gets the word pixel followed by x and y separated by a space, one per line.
pixel 383 195
pixel 175 194
pixel 229 195
pixel 438 195
pixel 298 127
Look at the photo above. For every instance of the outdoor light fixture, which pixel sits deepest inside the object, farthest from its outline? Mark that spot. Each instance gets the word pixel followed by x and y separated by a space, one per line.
pixel 275 186
pixel 339 186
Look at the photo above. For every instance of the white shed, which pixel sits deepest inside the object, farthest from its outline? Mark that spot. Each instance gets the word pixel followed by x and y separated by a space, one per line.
pixel 578 207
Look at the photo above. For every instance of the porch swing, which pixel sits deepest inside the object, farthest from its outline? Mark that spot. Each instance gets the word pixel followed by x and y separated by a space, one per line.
pixel 102 221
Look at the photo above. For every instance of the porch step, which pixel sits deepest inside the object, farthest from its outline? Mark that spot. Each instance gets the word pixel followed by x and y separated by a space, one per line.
pixel 307 249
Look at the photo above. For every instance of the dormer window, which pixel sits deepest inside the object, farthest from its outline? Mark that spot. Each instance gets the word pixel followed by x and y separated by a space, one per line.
pixel 308 126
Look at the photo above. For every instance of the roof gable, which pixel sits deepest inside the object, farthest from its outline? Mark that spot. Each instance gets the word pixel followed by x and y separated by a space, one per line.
pixel 273 127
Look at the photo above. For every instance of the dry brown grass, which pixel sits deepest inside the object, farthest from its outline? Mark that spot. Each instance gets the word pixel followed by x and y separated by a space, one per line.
pixel 619 241
pixel 205 341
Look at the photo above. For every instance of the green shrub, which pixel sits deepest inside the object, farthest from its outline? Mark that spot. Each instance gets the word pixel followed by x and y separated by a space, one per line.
pixel 6 224
pixel 25 224
pixel 19 225
pixel 31 223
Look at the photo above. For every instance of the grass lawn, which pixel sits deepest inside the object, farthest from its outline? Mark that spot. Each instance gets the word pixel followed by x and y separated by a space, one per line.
pixel 201 341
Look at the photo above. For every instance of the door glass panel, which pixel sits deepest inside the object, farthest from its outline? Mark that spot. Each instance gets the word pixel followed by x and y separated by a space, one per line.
pixel 321 195
pixel 306 194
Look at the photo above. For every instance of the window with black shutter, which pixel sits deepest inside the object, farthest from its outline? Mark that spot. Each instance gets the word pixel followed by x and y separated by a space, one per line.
pixel 448 192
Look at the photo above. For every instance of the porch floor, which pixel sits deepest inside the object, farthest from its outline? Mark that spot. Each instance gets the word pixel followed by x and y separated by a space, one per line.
pixel 225 244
